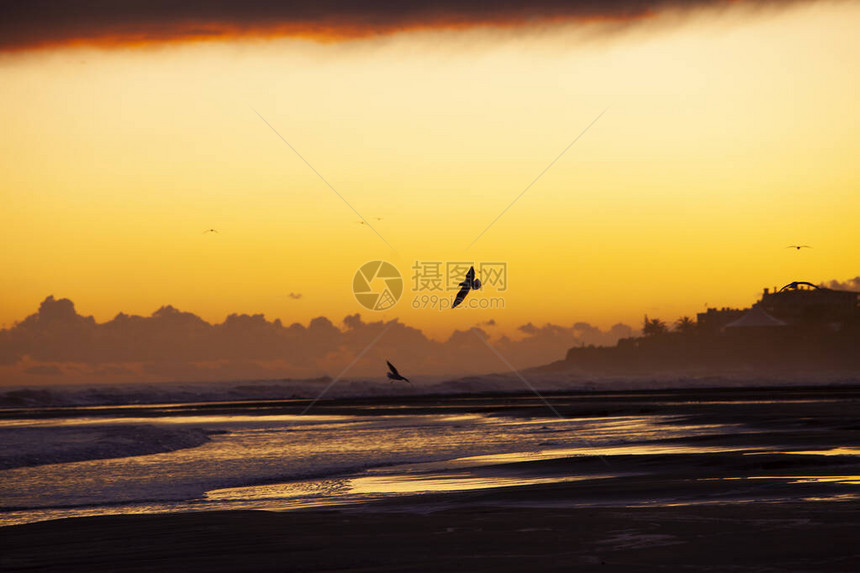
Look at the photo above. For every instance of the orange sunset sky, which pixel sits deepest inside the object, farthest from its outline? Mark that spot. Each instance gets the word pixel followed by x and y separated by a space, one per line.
pixel 730 131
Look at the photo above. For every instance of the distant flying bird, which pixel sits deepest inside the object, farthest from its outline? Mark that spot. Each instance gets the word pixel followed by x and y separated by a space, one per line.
pixel 209 231
pixel 798 247
pixel 394 374
pixel 470 283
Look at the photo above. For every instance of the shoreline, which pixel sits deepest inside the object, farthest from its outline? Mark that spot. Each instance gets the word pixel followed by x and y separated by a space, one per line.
pixel 774 489
pixel 420 403
pixel 121 397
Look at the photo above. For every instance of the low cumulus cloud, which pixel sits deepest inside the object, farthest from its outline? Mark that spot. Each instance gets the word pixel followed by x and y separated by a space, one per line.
pixel 58 343
pixel 26 24
pixel 43 370
pixel 850 284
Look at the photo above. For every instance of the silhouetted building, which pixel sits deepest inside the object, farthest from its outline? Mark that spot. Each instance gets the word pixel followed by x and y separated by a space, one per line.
pixel 715 319
pixel 805 303
pixel 797 303
pixel 798 328
pixel 757 318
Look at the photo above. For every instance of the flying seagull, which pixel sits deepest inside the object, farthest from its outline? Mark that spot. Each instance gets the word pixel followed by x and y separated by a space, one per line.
pixel 394 374
pixel 209 231
pixel 798 247
pixel 470 283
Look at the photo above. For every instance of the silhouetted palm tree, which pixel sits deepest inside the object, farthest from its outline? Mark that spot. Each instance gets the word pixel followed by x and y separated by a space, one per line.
pixel 685 324
pixel 653 326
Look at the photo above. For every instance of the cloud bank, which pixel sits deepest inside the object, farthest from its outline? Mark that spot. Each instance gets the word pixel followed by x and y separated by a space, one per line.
pixel 33 24
pixel 850 284
pixel 56 344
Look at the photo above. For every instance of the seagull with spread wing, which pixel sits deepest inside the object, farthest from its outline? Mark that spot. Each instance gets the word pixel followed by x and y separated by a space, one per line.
pixel 798 247
pixel 394 374
pixel 470 283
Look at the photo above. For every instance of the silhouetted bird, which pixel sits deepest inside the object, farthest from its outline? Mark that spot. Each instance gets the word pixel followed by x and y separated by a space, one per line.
pixel 209 231
pixel 798 247
pixel 394 374
pixel 470 283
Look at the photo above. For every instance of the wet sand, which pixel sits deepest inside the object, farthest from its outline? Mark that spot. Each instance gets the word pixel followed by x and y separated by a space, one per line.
pixel 780 494
pixel 753 537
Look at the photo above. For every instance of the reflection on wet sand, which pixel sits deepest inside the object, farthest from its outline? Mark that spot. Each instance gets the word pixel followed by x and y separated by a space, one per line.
pixel 406 484
pixel 631 451
pixel 624 482
pixel 842 451
pixel 545 468
pixel 848 479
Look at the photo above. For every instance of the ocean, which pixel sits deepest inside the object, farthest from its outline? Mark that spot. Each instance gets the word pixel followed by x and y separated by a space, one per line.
pixel 62 455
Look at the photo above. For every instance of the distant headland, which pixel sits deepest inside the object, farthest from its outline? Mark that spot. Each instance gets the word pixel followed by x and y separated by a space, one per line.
pixel 798 328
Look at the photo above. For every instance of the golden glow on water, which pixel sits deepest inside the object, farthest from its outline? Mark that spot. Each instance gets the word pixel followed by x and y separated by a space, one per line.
pixel 194 419
pixel 853 480
pixel 847 479
pixel 632 450
pixel 275 462
pixel 830 452
pixel 331 488
pixel 337 490
pixel 404 484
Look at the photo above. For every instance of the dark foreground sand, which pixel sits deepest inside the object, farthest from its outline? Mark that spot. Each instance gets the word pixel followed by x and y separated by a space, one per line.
pixel 751 537
pixel 709 510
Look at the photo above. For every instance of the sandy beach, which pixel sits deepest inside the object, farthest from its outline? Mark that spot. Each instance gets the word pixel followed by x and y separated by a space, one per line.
pixel 811 536
pixel 779 493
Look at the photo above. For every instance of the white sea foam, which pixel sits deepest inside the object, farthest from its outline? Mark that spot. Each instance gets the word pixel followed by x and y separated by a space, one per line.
pixel 50 444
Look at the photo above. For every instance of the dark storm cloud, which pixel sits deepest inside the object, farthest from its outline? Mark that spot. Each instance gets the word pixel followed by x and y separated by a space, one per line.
pixel 175 345
pixel 37 23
